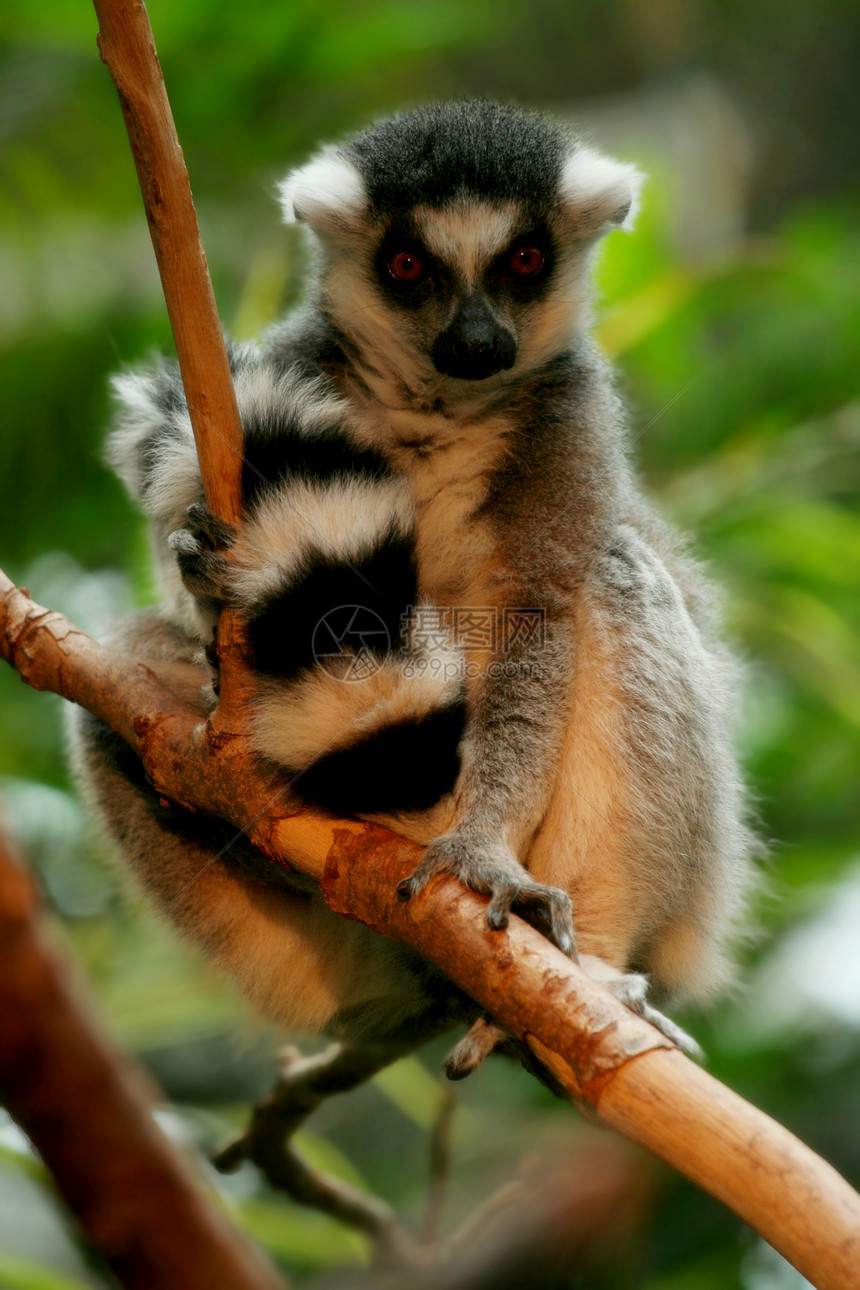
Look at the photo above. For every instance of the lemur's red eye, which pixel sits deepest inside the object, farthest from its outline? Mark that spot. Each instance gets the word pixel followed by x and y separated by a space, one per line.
pixel 405 266
pixel 526 260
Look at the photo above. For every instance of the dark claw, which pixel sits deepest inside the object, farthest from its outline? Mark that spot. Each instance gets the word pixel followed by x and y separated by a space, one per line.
pixel 549 909
pixel 468 1054
pixel 499 910
pixel 418 880
pixel 458 1066
pixel 491 871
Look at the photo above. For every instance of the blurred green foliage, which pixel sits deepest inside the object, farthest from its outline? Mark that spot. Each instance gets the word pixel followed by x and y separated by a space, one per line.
pixel 738 354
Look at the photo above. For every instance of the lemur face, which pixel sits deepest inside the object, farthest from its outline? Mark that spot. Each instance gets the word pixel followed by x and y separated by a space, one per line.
pixel 456 241
pixel 468 280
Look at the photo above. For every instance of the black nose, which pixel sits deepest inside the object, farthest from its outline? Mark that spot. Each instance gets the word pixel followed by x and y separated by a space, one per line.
pixel 473 346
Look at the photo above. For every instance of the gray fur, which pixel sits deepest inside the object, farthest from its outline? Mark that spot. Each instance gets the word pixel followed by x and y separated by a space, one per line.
pixel 597 762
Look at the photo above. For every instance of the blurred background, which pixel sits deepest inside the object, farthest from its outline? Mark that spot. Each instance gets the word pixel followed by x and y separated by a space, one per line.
pixel 732 314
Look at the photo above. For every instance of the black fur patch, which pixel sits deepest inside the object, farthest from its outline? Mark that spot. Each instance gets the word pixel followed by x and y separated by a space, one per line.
pixel 316 609
pixel 489 150
pixel 406 767
pixel 307 342
pixel 166 389
pixel 275 452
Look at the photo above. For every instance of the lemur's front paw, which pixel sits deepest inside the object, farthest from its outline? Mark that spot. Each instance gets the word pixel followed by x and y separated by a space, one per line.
pixel 204 570
pixel 491 869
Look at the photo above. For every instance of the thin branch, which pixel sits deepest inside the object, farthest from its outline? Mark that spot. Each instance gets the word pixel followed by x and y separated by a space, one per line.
pixel 128 49
pixel 88 1111
pixel 304 1083
pixel 563 1208
pixel 599 1052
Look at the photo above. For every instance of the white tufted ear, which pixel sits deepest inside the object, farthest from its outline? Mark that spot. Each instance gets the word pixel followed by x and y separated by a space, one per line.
pixel 600 193
pixel 326 193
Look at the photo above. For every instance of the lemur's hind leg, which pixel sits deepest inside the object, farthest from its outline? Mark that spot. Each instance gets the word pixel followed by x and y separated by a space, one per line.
pixel 631 988
pixel 304 1083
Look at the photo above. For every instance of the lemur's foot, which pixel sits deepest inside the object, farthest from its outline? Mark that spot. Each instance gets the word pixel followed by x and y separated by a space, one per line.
pixel 482 1037
pixel 492 870
pixel 667 1027
pixel 631 989
pixel 203 569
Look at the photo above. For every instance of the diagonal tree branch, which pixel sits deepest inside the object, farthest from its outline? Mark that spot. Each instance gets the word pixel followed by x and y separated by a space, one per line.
pixel 600 1054
pixel 128 49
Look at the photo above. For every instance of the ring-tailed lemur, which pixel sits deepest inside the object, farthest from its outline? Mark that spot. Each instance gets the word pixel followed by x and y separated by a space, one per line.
pixel 433 436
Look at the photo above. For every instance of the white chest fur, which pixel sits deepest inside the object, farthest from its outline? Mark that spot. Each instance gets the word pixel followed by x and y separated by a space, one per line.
pixel 448 463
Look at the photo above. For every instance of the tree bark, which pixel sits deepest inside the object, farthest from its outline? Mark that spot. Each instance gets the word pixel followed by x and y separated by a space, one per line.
pixel 88 1111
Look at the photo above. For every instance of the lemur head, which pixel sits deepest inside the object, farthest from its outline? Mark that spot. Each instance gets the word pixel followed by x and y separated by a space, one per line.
pixel 456 240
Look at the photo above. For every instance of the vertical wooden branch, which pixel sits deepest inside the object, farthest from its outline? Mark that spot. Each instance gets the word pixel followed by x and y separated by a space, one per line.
pixel 128 49
pixel 88 1111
